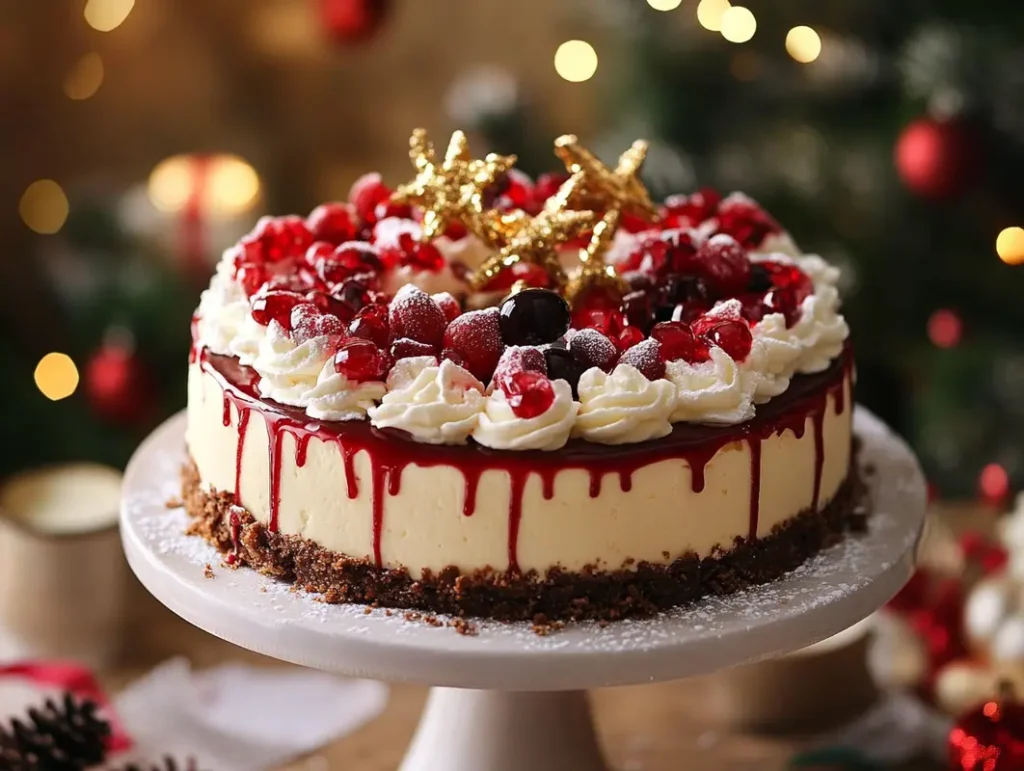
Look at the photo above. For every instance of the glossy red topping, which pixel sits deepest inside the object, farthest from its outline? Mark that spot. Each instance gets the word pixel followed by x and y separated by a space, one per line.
pixel 367 192
pixel 332 222
pixel 371 323
pixel 404 348
pixel 361 360
pixel 518 358
pixel 724 265
pixel 529 394
pixel 678 342
pixel 274 305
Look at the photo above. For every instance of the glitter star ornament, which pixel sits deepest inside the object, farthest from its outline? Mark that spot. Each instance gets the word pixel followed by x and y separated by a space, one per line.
pixel 603 188
pixel 534 239
pixel 594 274
pixel 450 191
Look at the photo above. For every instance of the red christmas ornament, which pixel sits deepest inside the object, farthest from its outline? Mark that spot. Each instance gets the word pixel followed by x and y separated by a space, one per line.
pixel 989 738
pixel 936 159
pixel 353 21
pixel 116 385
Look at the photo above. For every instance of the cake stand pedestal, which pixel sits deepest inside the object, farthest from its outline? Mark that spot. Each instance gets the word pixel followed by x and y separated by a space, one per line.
pixel 507 699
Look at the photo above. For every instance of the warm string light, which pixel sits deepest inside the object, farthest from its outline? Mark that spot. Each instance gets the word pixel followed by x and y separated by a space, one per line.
pixel 107 15
pixel 44 207
pixel 85 78
pixel 664 5
pixel 803 44
pixel 1010 245
pixel 225 183
pixel 709 14
pixel 576 61
pixel 738 24
pixel 56 376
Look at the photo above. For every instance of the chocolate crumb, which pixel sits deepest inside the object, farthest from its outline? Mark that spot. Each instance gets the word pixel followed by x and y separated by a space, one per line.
pixel 174 503
pixel 464 627
pixel 208 571
pixel 367 611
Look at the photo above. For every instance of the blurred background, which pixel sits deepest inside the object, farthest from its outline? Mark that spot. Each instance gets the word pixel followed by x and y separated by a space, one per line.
pixel 138 139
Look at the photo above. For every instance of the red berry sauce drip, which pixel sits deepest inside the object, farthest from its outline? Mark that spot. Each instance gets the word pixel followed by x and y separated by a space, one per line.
pixel 389 455
pixel 236 525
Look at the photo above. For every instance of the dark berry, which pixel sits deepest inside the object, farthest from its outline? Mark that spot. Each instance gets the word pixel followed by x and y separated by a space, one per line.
pixel 562 366
pixel 724 264
pixel 529 394
pixel 274 306
pixel 680 256
pixel 476 338
pixel 760 279
pixel 517 358
pixel 638 280
pixel 361 360
pixel 448 304
pixel 646 357
pixel 327 303
pixel 414 315
pixel 331 222
pixel 353 293
pixel 638 308
pixel 592 349
pixel 371 323
pixel 534 317
pixel 404 348
pixel 547 185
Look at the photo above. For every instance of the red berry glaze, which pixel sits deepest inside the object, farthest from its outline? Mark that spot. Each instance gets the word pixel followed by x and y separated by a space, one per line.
pixel 528 393
pixel 688 211
pixel 732 336
pixel 361 360
pixel 404 348
pixel 629 337
pixel 518 358
pixel 367 192
pixel 678 342
pixel 274 305
pixel 724 265
pixel 414 315
pixel 332 222
pixel 476 338
pixel 371 323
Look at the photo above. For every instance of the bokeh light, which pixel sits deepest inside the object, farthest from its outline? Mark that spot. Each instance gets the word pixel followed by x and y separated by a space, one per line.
pixel 56 376
pixel 576 61
pixel 107 15
pixel 85 78
pixel 1010 245
pixel 738 24
pixel 709 13
pixel 803 44
pixel 993 483
pixel 44 207
pixel 945 328
pixel 664 5
pixel 225 184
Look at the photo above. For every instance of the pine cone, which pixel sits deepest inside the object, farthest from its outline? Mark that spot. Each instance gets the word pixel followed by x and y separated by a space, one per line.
pixel 59 737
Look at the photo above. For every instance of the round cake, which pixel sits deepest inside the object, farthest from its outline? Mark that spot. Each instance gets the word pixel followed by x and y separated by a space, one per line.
pixel 487 396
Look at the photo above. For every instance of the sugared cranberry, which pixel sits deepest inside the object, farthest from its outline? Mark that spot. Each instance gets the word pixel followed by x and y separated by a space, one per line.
pixel 732 336
pixel 687 211
pixel 547 185
pixel 423 257
pixel 274 305
pixel 534 317
pixel 371 323
pixel 592 349
pixel 562 366
pixel 327 303
pixel 476 338
pixel 678 342
pixel 517 358
pixel 529 394
pixel 404 348
pixel 308 322
pixel 366 193
pixel 745 221
pixel 681 255
pixel 349 259
pixel 448 304
pixel 318 250
pixel 414 315
pixel 251 276
pixel 782 299
pixel 646 357
pixel 724 264
pixel 332 223
pixel 629 337
pixel 361 360
pixel 277 238
pixel 389 208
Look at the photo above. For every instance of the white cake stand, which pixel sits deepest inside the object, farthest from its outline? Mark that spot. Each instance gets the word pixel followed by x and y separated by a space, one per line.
pixel 507 699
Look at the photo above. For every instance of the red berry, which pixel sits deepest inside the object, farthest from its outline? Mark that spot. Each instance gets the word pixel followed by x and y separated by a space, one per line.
pixel 423 257
pixel 389 208
pixel 328 303
pixel 638 309
pixel 732 336
pixel 361 360
pixel 308 322
pixel 629 337
pixel 476 338
pixel 745 221
pixel 518 358
pixel 317 251
pixel 274 305
pixel 678 342
pixel 514 190
pixel 681 256
pixel 452 356
pixel 547 185
pixel 251 276
pixel 366 193
pixel 332 222
pixel 592 349
pixel 529 394
pixel 527 272
pixel 724 265
pixel 608 321
pixel 455 231
pixel 688 211
pixel 782 299
pixel 646 357
pixel 448 304
pixel 371 323
pixel 633 224
pixel 278 238
pixel 354 294
pixel 404 348
pixel 789 276
pixel 413 314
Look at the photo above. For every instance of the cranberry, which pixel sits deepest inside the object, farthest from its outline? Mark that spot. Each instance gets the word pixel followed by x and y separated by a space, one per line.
pixel 514 191
pixel 651 257
pixel 732 336
pixel 760 278
pixel 448 304
pixel 638 309
pixel 745 221
pixel 682 251
pixel 527 272
pixel 389 208
pixel 476 338
pixel 452 356
pixel 366 193
pixel 423 257
pixel 348 260
pixel 677 342
pixel 455 231
pixel 361 360
pixel 628 337
pixel 413 314
pixel 782 299
pixel 789 276
pixel 278 238
pixel 318 251
pixel 371 323
pixel 274 305
pixel 251 276
pixel 724 264
pixel 332 223
pixel 308 322
pixel 638 280
pixel 592 349
pixel 534 317
pixel 562 366
pixel 682 211
pixel 404 348
pixel 547 185
pixel 646 357
pixel 354 294
pixel 326 303
pixel 529 394
pixel 517 358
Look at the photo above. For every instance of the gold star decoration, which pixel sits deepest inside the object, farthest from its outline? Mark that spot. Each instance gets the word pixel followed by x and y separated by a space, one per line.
pixel 534 239
pixel 605 188
pixel 594 274
pixel 450 191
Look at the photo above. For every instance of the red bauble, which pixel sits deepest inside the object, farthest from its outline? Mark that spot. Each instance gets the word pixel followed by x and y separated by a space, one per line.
pixel 989 738
pixel 353 21
pixel 936 159
pixel 116 385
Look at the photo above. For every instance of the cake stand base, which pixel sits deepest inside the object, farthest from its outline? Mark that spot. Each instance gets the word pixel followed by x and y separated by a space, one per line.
pixel 470 730
pixel 506 699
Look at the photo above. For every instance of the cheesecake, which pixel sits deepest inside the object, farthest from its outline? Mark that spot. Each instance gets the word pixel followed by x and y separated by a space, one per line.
pixel 367 421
